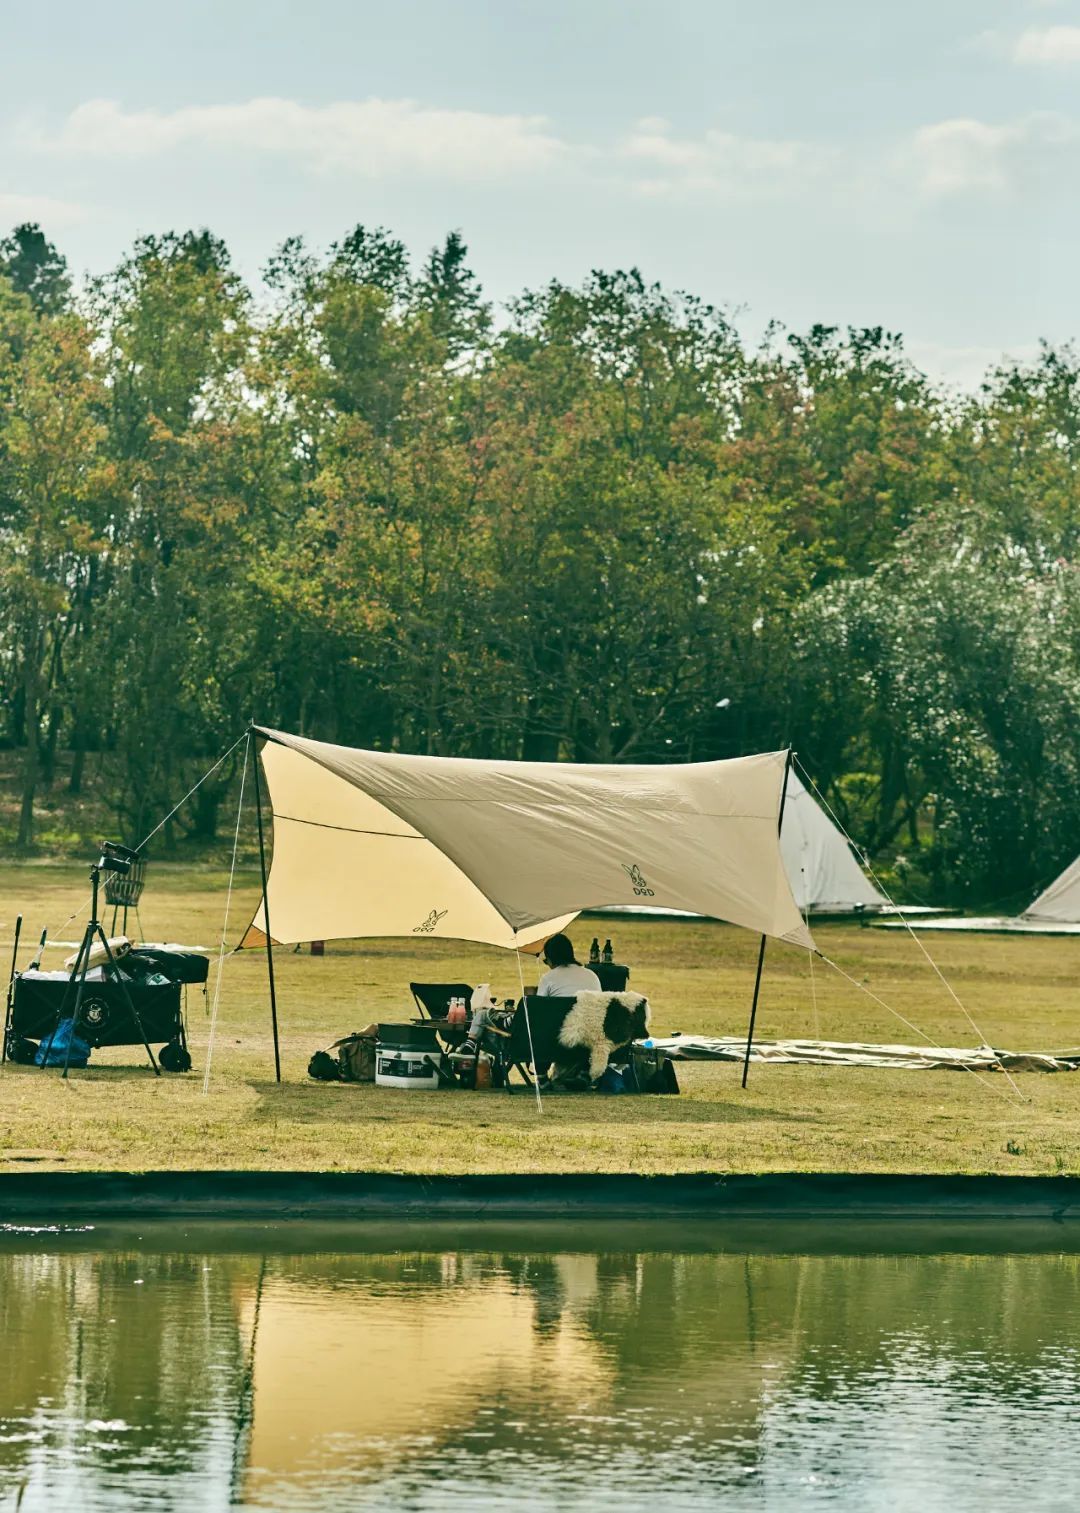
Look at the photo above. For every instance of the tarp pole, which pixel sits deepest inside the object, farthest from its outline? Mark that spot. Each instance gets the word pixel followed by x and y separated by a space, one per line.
pixel 761 951
pixel 266 908
pixel 8 1009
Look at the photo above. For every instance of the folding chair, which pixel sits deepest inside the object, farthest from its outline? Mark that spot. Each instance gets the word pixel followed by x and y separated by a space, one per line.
pixel 534 1037
pixel 433 998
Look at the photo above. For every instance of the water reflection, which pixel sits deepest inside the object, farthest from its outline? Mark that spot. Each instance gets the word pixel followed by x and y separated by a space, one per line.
pixel 201 1369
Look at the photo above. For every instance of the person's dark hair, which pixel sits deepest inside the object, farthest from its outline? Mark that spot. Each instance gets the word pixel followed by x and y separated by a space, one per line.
pixel 559 952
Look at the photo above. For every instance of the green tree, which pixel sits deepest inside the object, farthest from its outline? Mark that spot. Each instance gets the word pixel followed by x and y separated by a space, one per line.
pixel 33 266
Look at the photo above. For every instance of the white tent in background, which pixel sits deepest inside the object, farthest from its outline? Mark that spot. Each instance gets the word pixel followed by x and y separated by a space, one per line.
pixel 1060 903
pixel 1056 911
pixel 821 867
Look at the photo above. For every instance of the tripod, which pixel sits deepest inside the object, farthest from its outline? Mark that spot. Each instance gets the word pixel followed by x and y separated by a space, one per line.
pixel 77 980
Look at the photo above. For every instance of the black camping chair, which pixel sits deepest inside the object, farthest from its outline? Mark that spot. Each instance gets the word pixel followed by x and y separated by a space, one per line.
pixel 433 998
pixel 545 1017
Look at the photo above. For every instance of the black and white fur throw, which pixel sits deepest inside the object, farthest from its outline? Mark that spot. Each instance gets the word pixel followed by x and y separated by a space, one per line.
pixel 601 1022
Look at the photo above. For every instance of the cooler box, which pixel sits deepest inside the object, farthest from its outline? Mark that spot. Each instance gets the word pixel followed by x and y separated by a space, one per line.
pixel 406 1057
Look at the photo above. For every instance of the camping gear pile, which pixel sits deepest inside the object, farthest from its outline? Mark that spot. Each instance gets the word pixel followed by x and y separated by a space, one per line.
pixel 586 1043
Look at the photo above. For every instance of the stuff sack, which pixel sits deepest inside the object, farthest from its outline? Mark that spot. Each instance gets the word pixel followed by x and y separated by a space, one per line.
pixel 324 1067
pixel 54 1049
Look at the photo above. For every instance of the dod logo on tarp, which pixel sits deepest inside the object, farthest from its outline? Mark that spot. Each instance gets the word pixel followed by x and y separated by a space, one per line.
pixel 641 887
pixel 426 926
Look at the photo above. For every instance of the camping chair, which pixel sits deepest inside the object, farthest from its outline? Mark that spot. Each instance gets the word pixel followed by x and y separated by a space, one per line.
pixel 433 998
pixel 545 1017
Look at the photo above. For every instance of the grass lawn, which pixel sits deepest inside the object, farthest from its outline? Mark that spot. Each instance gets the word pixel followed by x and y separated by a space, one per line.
pixel 1023 992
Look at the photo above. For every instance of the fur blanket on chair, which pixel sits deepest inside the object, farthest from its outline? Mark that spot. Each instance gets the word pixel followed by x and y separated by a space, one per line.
pixel 601 1022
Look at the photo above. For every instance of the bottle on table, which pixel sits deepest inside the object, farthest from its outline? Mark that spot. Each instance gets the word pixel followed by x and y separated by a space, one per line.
pixel 609 954
pixel 594 952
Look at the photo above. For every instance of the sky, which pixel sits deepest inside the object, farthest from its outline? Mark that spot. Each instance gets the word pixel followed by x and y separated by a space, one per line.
pixel 851 162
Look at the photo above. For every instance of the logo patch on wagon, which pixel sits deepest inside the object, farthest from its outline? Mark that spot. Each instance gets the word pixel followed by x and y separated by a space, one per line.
pixel 426 926
pixel 641 887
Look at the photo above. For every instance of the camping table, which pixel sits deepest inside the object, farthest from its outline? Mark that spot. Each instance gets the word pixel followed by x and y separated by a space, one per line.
pixel 612 974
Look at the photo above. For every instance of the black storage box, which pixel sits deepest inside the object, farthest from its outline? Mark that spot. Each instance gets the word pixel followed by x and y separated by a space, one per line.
pixel 409 1037
pixel 104 1016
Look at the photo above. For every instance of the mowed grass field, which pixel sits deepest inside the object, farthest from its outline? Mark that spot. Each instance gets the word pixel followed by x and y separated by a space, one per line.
pixel 1024 993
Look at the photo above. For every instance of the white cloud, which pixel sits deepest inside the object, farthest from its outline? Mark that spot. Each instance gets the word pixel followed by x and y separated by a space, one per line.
pixel 16 208
pixel 1048 44
pixel 373 138
pixel 968 156
pixel 718 162
pixel 385 138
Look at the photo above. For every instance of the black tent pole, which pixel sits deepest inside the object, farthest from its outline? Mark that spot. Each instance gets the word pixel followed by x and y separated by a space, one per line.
pixel 266 906
pixel 761 951
pixel 10 992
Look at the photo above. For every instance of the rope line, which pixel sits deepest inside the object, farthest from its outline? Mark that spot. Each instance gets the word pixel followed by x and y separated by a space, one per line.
pixel 813 981
pixel 915 1029
pixel 225 926
pixel 187 795
pixel 906 923
pixel 528 1031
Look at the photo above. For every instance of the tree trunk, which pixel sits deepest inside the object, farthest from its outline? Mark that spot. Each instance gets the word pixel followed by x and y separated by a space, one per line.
pixel 78 763
pixel 24 841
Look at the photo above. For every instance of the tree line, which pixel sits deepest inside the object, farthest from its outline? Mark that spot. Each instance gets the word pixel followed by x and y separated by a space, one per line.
pixel 359 502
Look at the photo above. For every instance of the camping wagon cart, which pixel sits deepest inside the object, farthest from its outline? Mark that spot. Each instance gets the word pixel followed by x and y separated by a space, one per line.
pixel 144 1008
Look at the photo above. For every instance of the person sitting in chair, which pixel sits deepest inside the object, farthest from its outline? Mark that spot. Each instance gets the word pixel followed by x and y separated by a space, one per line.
pixel 567 977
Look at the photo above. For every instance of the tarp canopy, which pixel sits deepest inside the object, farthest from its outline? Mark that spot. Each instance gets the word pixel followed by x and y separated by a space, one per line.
pixel 825 877
pixel 372 843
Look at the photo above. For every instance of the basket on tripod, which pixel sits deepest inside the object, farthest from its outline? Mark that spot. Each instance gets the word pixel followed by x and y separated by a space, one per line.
pixel 124 890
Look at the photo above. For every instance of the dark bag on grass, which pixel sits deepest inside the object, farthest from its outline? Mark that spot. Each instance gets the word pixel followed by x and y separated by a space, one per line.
pixel 324 1067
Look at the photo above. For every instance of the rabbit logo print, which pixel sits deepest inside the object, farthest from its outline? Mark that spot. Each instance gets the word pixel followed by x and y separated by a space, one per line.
pixel 641 887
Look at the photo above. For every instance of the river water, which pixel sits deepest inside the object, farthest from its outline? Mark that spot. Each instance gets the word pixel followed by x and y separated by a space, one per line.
pixel 617 1366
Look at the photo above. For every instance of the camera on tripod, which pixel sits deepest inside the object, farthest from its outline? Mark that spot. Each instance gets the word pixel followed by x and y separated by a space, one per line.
pixel 116 858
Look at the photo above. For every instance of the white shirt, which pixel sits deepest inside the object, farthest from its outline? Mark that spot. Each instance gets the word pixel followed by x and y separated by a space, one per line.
pixel 567 982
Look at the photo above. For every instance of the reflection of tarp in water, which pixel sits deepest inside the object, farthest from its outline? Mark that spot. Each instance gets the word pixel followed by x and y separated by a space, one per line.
pixel 350 1377
pixel 855 1053
pixel 672 1363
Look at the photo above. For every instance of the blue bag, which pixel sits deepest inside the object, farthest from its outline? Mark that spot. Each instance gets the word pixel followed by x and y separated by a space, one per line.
pixel 53 1050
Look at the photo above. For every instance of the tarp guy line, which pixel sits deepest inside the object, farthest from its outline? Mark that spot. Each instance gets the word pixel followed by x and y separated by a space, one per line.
pixel 866 863
pixel 225 922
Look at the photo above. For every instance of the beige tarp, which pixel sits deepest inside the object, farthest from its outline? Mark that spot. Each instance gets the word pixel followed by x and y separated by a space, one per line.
pixel 371 843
